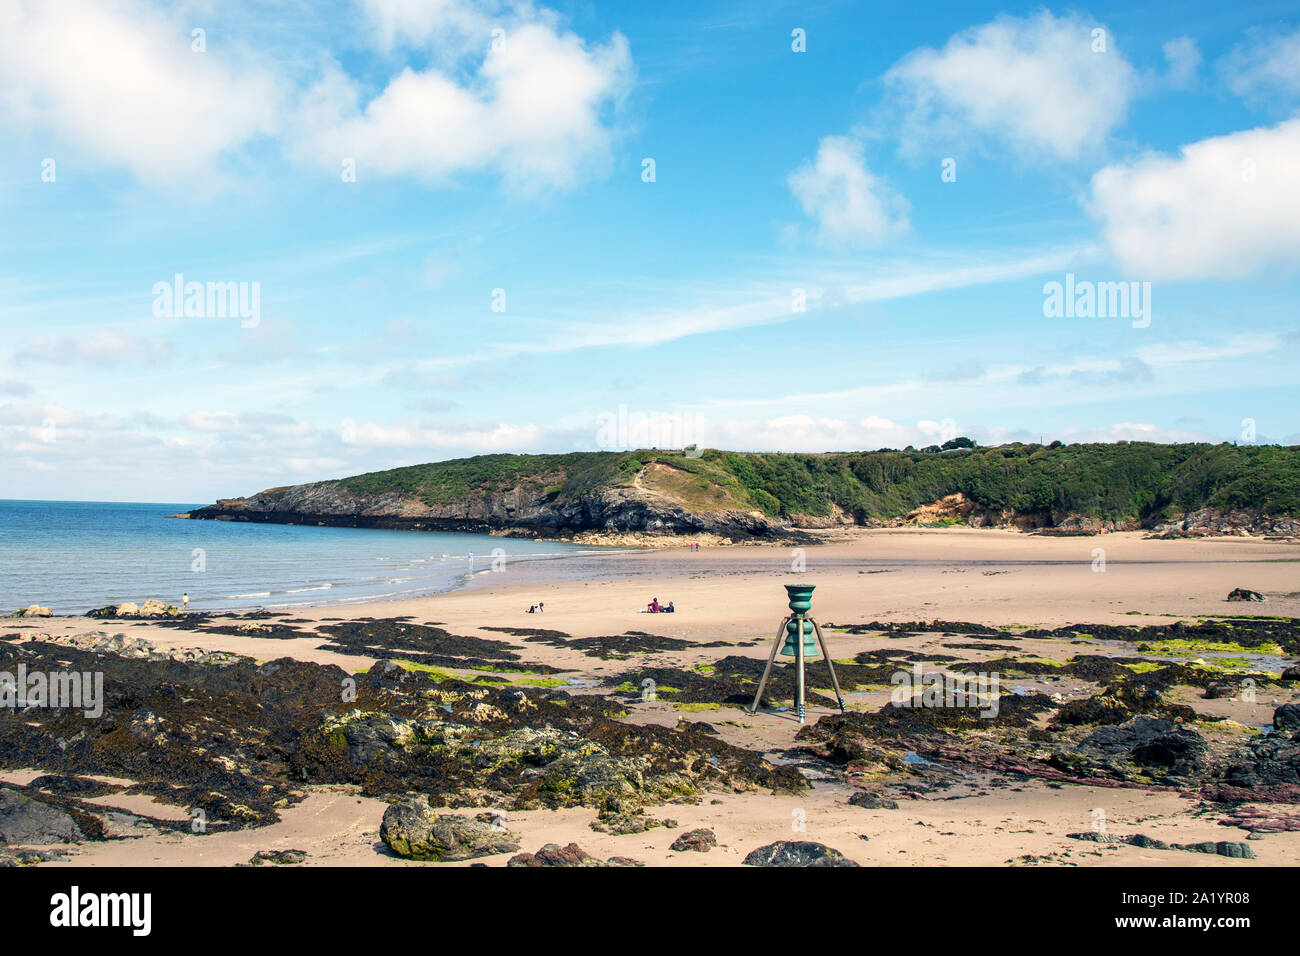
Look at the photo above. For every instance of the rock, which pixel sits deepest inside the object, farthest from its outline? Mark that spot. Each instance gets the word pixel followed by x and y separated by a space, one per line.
pixel 1237 851
pixel 126 609
pixel 1292 673
pixel 552 854
pixel 1183 751
pixel 1287 717
pixel 278 857
pixel 35 610
pixel 1245 594
pixel 1217 690
pixel 28 822
pixel 871 801
pixel 796 853
pixel 152 608
pixel 621 824
pixel 11 858
pixel 701 841
pixel 413 829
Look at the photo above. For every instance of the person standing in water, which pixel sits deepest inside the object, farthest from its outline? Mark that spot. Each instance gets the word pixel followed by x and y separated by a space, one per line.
pixel 471 560
pixel 185 601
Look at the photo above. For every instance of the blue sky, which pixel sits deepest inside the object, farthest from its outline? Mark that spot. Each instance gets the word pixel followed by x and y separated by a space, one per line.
pixel 798 275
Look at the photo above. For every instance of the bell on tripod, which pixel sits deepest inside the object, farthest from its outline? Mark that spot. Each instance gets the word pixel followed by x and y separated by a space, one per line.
pixel 802 640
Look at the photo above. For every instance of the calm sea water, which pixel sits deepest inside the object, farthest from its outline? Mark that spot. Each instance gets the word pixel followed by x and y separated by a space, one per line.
pixel 72 556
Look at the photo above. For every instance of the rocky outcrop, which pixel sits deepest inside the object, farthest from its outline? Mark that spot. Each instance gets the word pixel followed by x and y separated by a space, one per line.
pixel 1209 522
pixel 128 609
pixel 526 510
pixel 28 822
pixel 413 829
pixel 700 841
pixel 796 853
pixel 958 509
pixel 552 854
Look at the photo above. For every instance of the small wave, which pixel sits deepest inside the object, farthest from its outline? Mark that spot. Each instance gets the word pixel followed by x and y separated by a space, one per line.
pixel 235 597
pixel 319 587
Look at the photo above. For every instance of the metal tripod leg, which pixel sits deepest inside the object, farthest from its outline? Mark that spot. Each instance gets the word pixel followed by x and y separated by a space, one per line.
pixel 798 653
pixel 839 695
pixel 767 671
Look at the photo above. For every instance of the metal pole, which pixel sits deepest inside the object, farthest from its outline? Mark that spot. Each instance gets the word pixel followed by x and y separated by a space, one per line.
pixel 799 707
pixel 827 654
pixel 768 670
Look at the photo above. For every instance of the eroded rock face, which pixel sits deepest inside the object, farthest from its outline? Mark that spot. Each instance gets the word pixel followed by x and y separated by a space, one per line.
pixel 796 853
pixel 413 829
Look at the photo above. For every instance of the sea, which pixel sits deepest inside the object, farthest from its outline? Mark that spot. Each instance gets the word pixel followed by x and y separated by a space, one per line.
pixel 72 556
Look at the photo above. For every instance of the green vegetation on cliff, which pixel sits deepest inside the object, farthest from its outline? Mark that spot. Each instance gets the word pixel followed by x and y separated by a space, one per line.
pixel 1124 481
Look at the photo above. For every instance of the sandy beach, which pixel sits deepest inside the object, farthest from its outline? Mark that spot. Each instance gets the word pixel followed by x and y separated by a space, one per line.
pixel 734 596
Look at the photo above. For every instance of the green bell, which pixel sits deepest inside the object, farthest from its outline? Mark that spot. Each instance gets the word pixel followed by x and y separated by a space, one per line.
pixel 790 649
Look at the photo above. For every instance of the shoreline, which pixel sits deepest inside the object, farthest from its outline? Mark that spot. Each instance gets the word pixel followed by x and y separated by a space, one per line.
pixel 839 549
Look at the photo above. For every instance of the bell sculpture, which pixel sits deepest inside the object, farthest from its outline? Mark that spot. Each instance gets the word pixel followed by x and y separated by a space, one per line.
pixel 795 638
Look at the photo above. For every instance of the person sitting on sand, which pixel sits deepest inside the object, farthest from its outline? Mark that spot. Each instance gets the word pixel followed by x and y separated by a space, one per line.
pixel 654 606
pixel 669 609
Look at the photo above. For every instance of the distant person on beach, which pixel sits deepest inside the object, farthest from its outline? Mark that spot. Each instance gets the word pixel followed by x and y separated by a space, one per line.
pixel 185 601
pixel 654 606
pixel 669 609
pixel 471 560
pixel 537 608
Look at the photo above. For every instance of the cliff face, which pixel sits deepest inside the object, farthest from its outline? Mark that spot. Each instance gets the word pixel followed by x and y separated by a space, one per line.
pixel 525 510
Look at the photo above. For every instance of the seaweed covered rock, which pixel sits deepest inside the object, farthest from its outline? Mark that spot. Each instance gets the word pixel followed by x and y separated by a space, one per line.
pixel 1120 702
pixel 796 853
pixel 413 829
pixel 1245 594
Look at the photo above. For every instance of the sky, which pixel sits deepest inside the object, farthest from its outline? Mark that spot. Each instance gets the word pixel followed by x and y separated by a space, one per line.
pixel 464 227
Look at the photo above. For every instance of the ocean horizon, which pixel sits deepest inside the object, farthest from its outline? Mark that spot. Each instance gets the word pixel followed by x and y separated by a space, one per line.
pixel 73 556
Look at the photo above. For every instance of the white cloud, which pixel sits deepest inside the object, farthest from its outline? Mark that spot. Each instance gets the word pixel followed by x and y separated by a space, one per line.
pixel 1184 59
pixel 849 203
pixel 105 347
pixel 440 442
pixel 202 421
pixel 119 80
pixel 1036 83
pixel 1225 207
pixel 1265 67
pixel 533 110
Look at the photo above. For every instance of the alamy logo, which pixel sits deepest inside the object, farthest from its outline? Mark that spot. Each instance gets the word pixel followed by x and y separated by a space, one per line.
pixel 208 300
pixel 1098 300
pixel 74 908
pixel 61 690
pixel 938 689
pixel 623 430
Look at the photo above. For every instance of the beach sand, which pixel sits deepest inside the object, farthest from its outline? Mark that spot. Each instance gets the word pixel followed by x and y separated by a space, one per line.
pixel 735 594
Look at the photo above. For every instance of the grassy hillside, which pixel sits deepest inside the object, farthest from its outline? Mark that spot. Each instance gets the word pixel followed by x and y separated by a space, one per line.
pixel 1131 480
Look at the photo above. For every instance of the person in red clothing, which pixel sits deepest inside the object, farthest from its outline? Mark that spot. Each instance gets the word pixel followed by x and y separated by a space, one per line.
pixel 654 606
